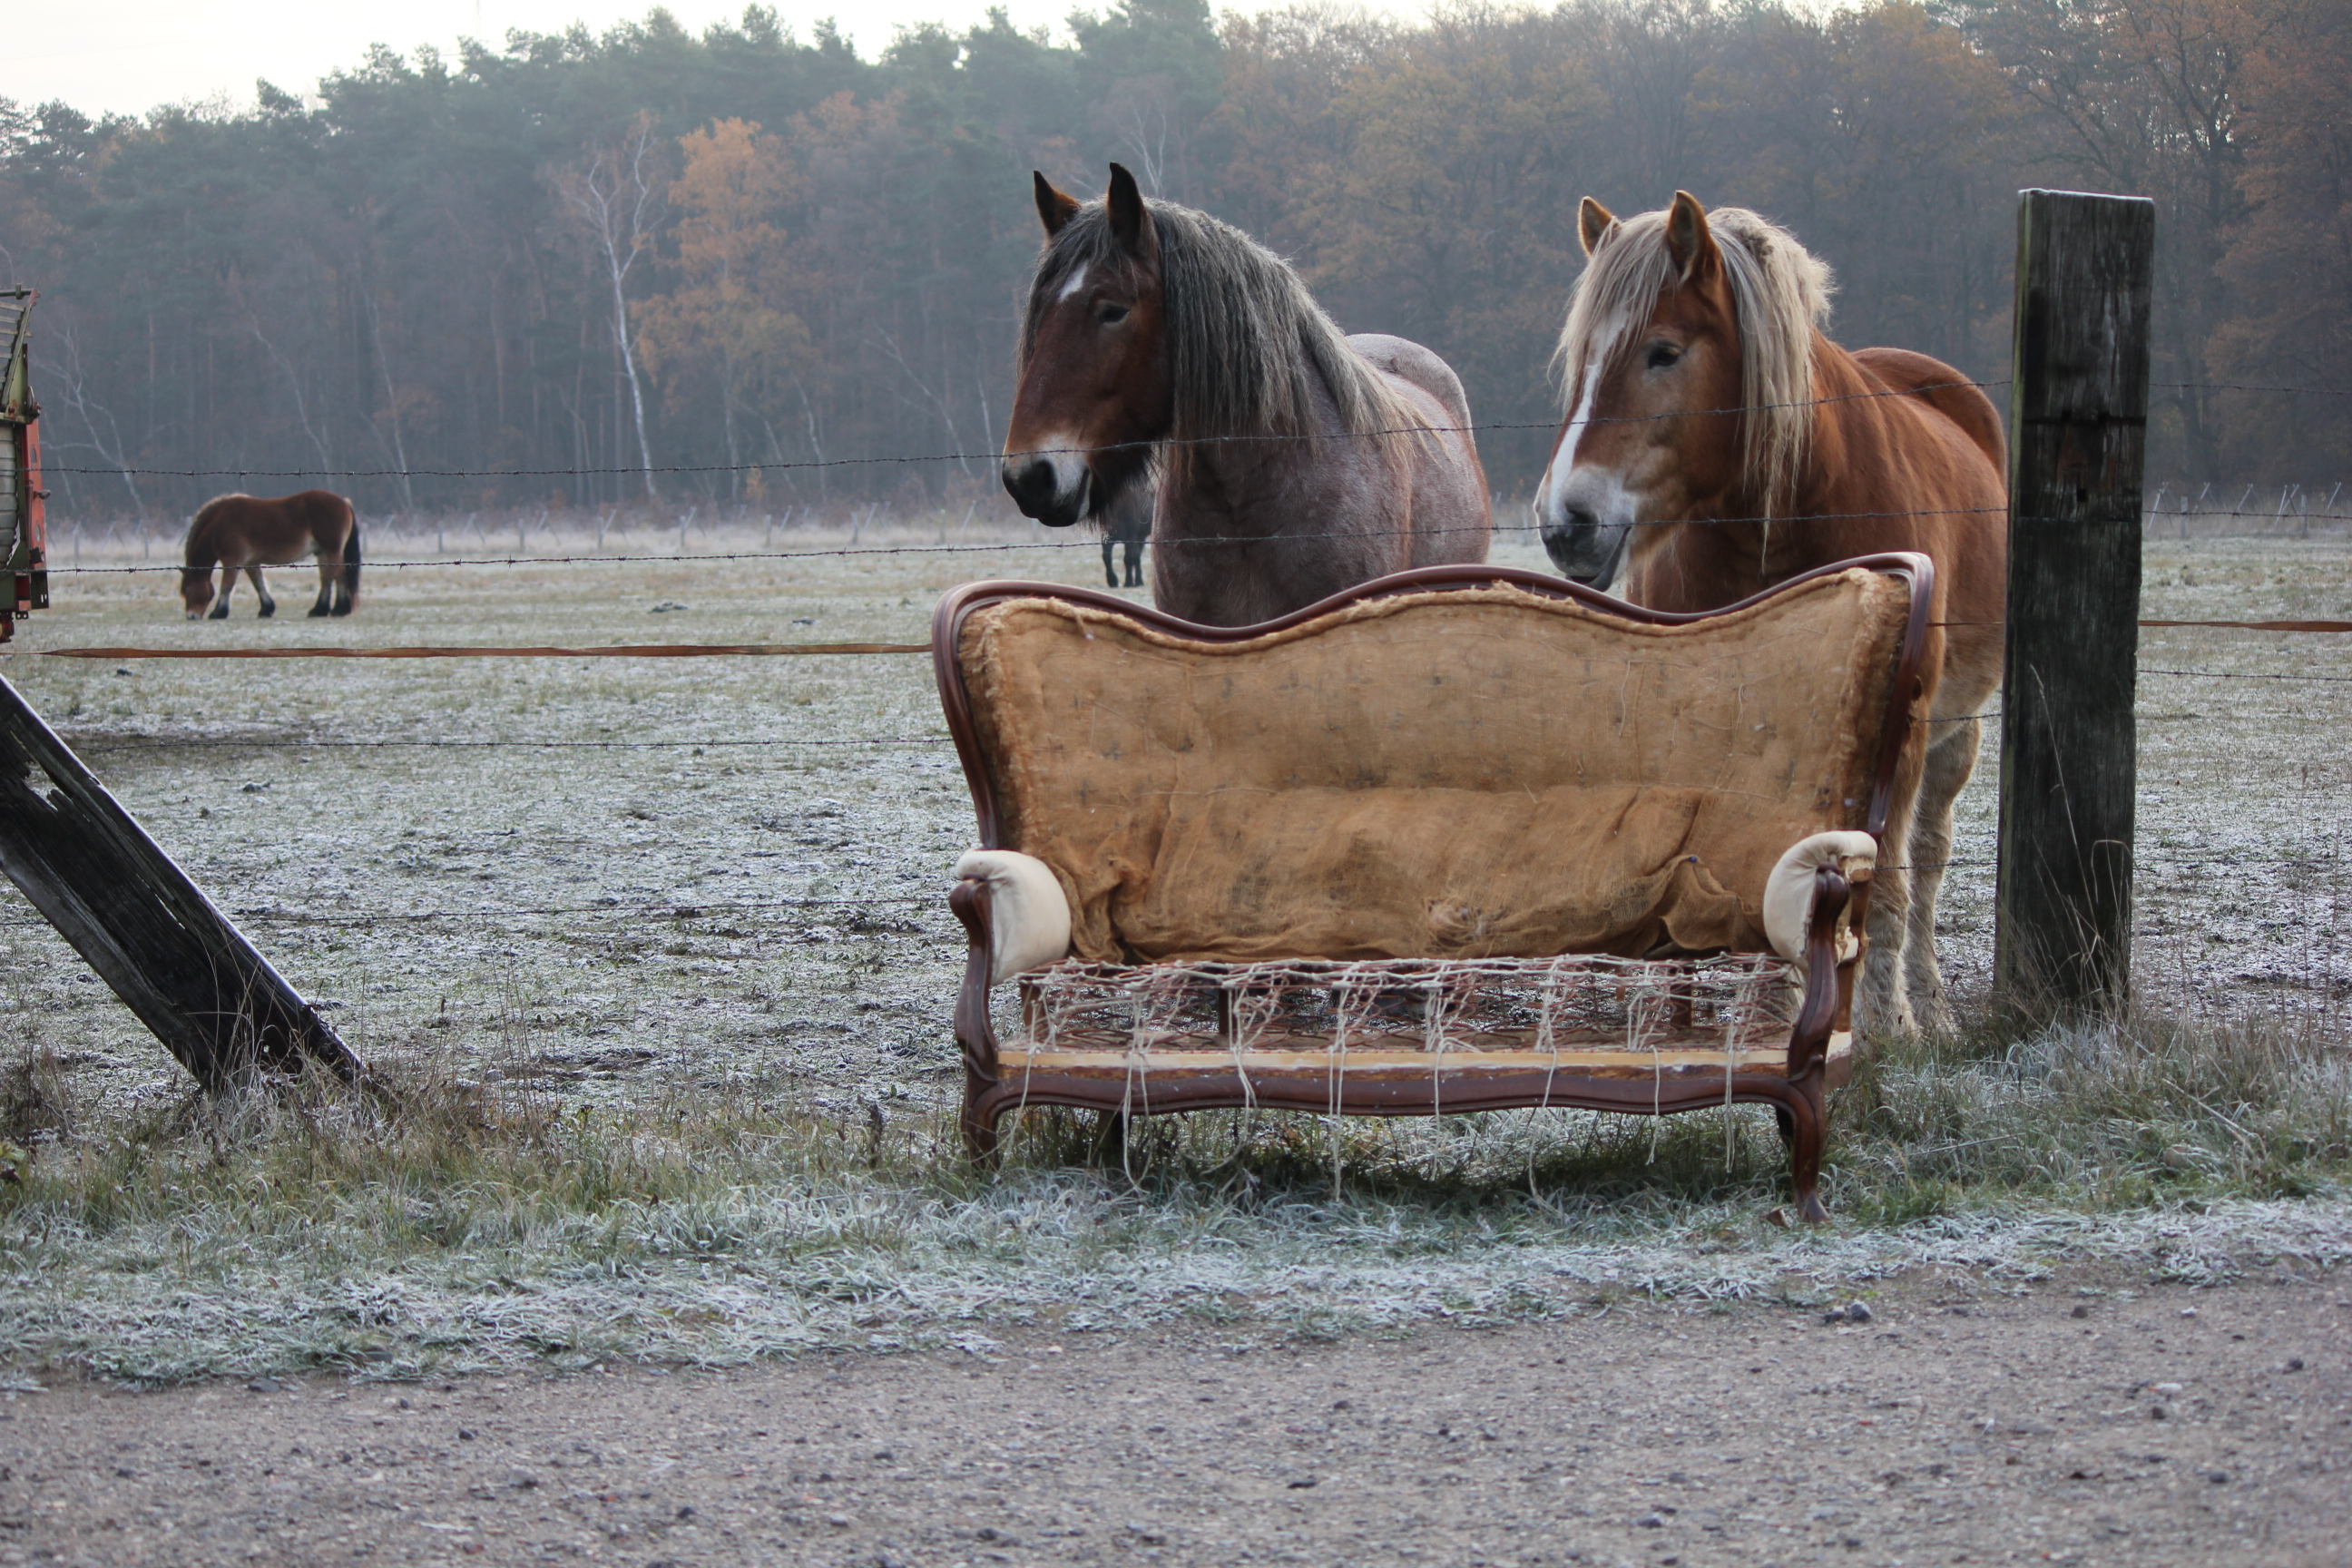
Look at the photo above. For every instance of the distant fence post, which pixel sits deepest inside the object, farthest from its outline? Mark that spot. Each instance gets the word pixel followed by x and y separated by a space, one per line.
pixel 2078 432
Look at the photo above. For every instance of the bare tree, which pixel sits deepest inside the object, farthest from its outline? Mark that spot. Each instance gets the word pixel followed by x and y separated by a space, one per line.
pixel 616 195
pixel 106 441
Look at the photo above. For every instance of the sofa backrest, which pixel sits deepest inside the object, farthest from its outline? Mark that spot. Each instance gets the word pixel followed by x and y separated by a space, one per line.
pixel 1510 768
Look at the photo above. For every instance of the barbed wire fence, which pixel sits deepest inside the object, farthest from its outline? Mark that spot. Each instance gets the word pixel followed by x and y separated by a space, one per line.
pixel 2174 510
pixel 2274 507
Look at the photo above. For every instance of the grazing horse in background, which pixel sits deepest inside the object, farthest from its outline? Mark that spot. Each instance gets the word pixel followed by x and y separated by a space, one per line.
pixel 1127 521
pixel 1713 426
pixel 1292 461
pixel 245 534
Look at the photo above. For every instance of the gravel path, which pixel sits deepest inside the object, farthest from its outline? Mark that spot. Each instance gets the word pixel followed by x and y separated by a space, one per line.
pixel 2083 1422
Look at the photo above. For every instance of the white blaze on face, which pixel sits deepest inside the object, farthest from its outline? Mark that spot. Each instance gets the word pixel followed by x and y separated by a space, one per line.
pixel 1563 457
pixel 1077 282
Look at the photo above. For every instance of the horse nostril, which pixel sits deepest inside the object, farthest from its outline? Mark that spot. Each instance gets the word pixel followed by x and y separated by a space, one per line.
pixel 1031 486
pixel 1572 522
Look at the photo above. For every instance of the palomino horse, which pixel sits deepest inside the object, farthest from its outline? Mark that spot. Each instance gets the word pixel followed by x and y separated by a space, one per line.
pixel 1293 462
pixel 1712 425
pixel 1127 523
pixel 245 534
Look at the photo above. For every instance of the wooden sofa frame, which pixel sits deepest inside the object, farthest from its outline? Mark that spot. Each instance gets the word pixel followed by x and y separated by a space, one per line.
pixel 1795 1086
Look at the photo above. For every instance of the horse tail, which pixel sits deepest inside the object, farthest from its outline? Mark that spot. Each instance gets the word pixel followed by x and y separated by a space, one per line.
pixel 351 564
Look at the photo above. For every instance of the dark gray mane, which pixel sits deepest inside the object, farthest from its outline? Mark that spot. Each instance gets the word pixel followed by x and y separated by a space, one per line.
pixel 1245 339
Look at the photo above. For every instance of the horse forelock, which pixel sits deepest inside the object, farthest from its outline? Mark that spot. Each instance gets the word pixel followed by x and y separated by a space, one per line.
pixel 1243 339
pixel 1780 292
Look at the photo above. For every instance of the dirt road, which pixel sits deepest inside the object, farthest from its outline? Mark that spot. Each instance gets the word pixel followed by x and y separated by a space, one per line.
pixel 2170 1427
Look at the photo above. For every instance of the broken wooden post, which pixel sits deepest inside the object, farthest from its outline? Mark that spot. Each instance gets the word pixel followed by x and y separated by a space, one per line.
pixel 147 930
pixel 2078 429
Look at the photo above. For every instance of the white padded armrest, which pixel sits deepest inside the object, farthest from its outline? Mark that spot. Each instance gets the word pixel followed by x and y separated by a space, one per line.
pixel 1028 913
pixel 1788 891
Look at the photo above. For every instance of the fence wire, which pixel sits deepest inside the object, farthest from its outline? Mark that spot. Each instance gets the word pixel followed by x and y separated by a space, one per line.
pixel 966 458
pixel 931 902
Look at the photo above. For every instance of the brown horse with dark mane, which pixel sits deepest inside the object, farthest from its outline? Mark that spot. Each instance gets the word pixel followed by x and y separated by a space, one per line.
pixel 1718 443
pixel 245 534
pixel 1160 346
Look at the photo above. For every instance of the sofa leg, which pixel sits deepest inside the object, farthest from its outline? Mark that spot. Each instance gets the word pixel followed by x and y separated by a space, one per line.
pixel 1805 1125
pixel 979 1121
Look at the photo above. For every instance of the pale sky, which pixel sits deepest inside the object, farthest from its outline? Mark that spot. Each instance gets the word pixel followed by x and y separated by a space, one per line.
pixel 127 56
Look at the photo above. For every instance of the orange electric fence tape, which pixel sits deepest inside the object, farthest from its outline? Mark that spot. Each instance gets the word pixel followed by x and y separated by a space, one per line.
pixel 711 650
pixel 621 650
pixel 2263 625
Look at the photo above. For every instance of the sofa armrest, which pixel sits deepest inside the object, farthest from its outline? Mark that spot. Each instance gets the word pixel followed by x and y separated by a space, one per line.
pixel 1028 914
pixel 1789 893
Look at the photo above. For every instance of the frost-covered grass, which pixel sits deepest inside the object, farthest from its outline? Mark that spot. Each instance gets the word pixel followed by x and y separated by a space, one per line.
pixel 633 1039
pixel 437 1224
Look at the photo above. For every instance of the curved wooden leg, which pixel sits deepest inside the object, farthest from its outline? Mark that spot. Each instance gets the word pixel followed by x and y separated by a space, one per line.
pixel 979 1121
pixel 1807 1128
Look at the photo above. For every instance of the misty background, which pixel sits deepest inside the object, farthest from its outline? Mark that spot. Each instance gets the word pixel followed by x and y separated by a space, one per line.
pixel 582 269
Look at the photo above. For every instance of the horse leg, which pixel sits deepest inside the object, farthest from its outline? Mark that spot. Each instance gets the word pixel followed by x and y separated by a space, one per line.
pixel 229 583
pixel 1110 570
pixel 1950 759
pixel 1882 1009
pixel 1135 563
pixel 330 568
pixel 268 605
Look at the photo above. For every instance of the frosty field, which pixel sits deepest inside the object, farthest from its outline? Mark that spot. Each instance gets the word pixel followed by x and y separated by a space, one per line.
pixel 656 958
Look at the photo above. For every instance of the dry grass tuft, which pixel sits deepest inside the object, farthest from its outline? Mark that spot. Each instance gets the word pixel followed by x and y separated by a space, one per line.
pixel 432 1222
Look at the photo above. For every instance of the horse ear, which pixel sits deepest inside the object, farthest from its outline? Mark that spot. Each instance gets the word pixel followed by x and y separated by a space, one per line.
pixel 1055 207
pixel 1689 243
pixel 1593 223
pixel 1128 218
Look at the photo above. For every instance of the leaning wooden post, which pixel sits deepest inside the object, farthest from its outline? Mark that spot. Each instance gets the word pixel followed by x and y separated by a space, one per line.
pixel 147 930
pixel 2078 430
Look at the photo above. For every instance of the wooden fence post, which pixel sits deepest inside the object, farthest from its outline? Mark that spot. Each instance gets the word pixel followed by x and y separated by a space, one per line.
pixel 2078 431
pixel 147 930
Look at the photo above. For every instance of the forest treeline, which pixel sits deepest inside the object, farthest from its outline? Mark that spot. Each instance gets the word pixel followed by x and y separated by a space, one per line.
pixel 582 269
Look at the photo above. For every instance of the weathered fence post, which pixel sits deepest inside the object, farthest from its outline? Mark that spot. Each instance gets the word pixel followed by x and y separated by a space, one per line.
pixel 147 930
pixel 2078 430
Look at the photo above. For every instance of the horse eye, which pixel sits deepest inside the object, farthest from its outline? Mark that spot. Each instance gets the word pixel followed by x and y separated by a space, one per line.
pixel 1663 356
pixel 1112 315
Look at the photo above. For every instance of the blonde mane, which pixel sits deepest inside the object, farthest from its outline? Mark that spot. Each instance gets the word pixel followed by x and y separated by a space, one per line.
pixel 1781 293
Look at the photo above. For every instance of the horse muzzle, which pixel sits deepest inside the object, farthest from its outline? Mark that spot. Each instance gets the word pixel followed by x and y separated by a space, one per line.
pixel 1584 549
pixel 1586 518
pixel 1050 487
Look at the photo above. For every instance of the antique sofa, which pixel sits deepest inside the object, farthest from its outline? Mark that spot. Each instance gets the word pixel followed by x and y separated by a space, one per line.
pixel 1458 839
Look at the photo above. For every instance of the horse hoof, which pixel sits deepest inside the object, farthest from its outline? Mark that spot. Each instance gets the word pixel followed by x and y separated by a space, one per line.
pixel 343 608
pixel 219 615
pixel 316 610
pixel 268 611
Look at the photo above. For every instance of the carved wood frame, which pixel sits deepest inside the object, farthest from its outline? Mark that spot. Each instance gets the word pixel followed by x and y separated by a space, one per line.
pixel 1796 1093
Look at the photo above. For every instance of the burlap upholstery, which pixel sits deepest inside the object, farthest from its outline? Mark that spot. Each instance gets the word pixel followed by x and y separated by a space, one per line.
pixel 1477 772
